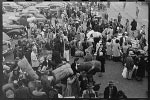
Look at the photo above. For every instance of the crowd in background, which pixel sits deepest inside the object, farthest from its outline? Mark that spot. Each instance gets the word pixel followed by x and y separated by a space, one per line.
pixel 69 38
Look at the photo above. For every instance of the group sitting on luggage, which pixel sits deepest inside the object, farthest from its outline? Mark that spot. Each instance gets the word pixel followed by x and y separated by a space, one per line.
pixel 33 75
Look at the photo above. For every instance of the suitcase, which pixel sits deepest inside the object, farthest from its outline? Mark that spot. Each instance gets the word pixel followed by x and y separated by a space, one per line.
pixel 62 72
pixel 26 67
pixel 79 53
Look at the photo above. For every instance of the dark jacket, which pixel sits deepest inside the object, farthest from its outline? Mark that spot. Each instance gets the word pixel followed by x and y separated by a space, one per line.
pixel 113 94
pixel 56 58
pixel 28 56
pixel 67 46
pixel 101 58
pixel 83 83
pixel 121 41
pixel 133 25
pixel 141 68
pixel 129 63
pixel 49 63
pixel 88 23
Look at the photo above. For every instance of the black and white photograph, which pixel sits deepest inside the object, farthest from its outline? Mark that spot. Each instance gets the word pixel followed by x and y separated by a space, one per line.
pixel 75 50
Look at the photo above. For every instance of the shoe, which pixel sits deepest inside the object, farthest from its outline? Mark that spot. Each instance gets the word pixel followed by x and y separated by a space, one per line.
pixel 100 75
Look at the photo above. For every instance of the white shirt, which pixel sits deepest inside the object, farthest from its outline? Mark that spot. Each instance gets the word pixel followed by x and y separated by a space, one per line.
pixel 34 47
pixel 42 33
pixel 124 40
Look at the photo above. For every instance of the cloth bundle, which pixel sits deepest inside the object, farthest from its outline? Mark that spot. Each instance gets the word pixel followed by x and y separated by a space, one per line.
pixel 26 67
pixel 124 73
pixel 79 53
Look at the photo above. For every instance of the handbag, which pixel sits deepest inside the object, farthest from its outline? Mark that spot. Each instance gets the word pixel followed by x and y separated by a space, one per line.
pixel 124 73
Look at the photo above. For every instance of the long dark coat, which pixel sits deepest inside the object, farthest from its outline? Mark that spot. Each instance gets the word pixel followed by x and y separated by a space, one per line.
pixel 133 25
pixel 114 92
pixel 141 68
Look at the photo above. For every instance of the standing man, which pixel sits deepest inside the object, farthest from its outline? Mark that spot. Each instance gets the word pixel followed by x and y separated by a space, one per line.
pixel 137 12
pixel 66 49
pixel 133 26
pixel 129 63
pixel 124 5
pixel 106 16
pixel 122 39
pixel 108 4
pixel 110 91
pixel 119 17
pixel 34 59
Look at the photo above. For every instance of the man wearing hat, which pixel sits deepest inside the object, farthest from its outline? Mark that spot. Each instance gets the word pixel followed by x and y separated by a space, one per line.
pixel 110 91
pixel 89 93
pixel 129 63
pixel 101 57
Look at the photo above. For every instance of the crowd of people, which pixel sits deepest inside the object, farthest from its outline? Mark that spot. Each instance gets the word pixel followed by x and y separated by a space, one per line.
pixel 69 38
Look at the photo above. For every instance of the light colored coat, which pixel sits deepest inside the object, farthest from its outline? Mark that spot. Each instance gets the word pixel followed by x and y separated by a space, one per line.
pixel 116 49
pixel 34 60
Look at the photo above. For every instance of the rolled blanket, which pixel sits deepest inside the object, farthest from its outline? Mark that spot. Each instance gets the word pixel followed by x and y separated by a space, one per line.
pixel 62 72
pixel 90 66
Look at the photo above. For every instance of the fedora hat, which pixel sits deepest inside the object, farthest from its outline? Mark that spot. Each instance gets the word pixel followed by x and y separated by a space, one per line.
pixel 110 82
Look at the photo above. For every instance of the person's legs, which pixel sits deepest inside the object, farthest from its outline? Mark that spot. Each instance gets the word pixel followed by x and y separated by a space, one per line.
pixel 62 53
pixel 102 67
pixel 123 59
pixel 63 89
pixel 67 55
pixel 129 75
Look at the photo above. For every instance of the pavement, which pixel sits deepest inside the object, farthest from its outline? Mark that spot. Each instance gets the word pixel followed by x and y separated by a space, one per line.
pixel 132 88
